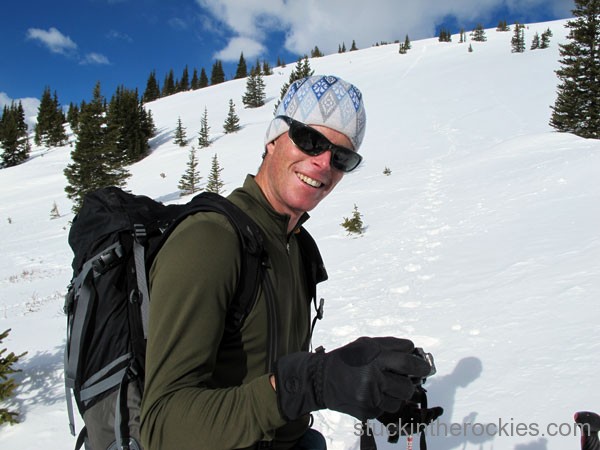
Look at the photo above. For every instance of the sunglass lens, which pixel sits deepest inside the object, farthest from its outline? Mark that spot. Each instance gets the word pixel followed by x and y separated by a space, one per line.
pixel 345 160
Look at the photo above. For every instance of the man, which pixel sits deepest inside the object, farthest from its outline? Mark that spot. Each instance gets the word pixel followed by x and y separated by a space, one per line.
pixel 207 390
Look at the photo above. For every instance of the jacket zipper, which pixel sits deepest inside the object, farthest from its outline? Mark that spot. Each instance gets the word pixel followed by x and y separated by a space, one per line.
pixel 272 344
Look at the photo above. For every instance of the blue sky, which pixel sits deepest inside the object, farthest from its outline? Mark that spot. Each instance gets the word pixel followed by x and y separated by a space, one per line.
pixel 70 45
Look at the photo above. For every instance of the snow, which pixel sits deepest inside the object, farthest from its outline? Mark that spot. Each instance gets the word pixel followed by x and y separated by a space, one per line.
pixel 482 246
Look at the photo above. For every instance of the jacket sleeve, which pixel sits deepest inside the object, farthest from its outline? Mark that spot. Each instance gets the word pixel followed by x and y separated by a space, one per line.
pixel 192 281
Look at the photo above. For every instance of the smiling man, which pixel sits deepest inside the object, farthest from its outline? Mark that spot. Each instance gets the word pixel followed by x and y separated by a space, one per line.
pixel 210 388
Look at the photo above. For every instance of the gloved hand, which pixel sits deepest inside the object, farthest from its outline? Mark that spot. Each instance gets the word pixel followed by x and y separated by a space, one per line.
pixel 410 418
pixel 363 378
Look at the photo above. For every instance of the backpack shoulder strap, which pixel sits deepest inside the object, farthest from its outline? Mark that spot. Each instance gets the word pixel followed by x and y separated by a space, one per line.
pixel 251 246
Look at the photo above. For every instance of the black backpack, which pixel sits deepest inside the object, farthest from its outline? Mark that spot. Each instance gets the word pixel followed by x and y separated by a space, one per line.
pixel 115 237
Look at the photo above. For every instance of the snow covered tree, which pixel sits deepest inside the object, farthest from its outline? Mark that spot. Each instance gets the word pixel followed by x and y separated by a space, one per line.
pixel 354 225
pixel 232 122
pixel 203 135
pixel 190 180
pixel 95 160
pixel 180 134
pixel 242 68
pixel 577 106
pixel 535 42
pixel 478 34
pixel 215 184
pixel 545 41
pixel 7 384
pixel 518 39
pixel 14 140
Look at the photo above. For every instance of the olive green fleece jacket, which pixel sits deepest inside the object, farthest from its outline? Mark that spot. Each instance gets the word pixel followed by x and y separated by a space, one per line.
pixel 202 392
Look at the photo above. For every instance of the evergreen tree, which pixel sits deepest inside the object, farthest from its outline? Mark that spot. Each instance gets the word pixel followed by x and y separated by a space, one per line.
pixel 577 106
pixel 214 183
pixel 301 70
pixel 95 159
pixel 266 70
pixel 203 135
pixel 518 39
pixel 217 75
pixel 131 125
pixel 354 225
pixel 254 96
pixel 203 81
pixel 7 384
pixel 184 83
pixel 180 134
pixel 190 180
pixel 54 213
pixel 354 47
pixel 232 122
pixel 407 43
pixel 535 42
pixel 445 35
pixel 242 69
pixel 470 48
pixel 152 91
pixel 169 87
pixel 343 47
pixel 49 129
pixel 503 26
pixel 195 81
pixel 402 48
pixel 545 41
pixel 316 53
pixel 73 116
pixel 479 34
pixel 463 37
pixel 14 140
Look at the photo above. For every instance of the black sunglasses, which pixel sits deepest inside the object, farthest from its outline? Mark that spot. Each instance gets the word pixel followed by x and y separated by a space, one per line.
pixel 313 143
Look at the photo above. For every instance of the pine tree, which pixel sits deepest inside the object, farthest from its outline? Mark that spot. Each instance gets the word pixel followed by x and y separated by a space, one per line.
pixel 96 162
pixel 479 34
pixel 54 213
pixel 545 41
pixel 49 129
pixel 254 96
pixel 354 225
pixel 7 384
pixel 180 134
pixel 195 81
pixel 203 81
pixel 445 35
pixel 407 43
pixel 232 122
pixel 214 183
pixel 315 52
pixel 184 83
pixel 266 68
pixel 242 69
pixel 402 48
pixel 463 37
pixel 470 48
pixel 152 91
pixel 301 70
pixel 518 39
pixel 190 180
pixel 535 42
pixel 577 106
pixel 73 116
pixel 217 75
pixel 131 124
pixel 503 26
pixel 14 140
pixel 354 47
pixel 169 87
pixel 203 135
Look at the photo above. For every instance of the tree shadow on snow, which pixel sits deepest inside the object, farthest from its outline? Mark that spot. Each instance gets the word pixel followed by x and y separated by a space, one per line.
pixel 39 381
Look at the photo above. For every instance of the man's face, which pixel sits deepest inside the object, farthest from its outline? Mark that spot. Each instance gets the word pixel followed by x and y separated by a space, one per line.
pixel 295 182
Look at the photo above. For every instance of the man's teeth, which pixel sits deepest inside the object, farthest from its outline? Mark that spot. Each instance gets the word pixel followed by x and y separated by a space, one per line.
pixel 310 181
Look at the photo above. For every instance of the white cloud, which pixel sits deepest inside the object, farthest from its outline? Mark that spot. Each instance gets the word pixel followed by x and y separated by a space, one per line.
pixel 250 48
pixel 118 35
pixel 53 39
pixel 94 59
pixel 329 23
pixel 30 107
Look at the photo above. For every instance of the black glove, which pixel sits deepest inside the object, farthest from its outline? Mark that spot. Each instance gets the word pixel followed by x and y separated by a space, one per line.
pixel 363 378
pixel 411 418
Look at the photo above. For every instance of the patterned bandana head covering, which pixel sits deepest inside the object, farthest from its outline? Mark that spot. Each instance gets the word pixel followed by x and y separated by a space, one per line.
pixel 326 100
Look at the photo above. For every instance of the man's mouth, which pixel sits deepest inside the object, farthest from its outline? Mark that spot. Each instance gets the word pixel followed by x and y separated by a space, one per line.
pixel 309 181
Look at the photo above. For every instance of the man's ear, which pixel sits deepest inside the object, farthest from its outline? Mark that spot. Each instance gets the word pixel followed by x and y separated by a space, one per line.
pixel 270 148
